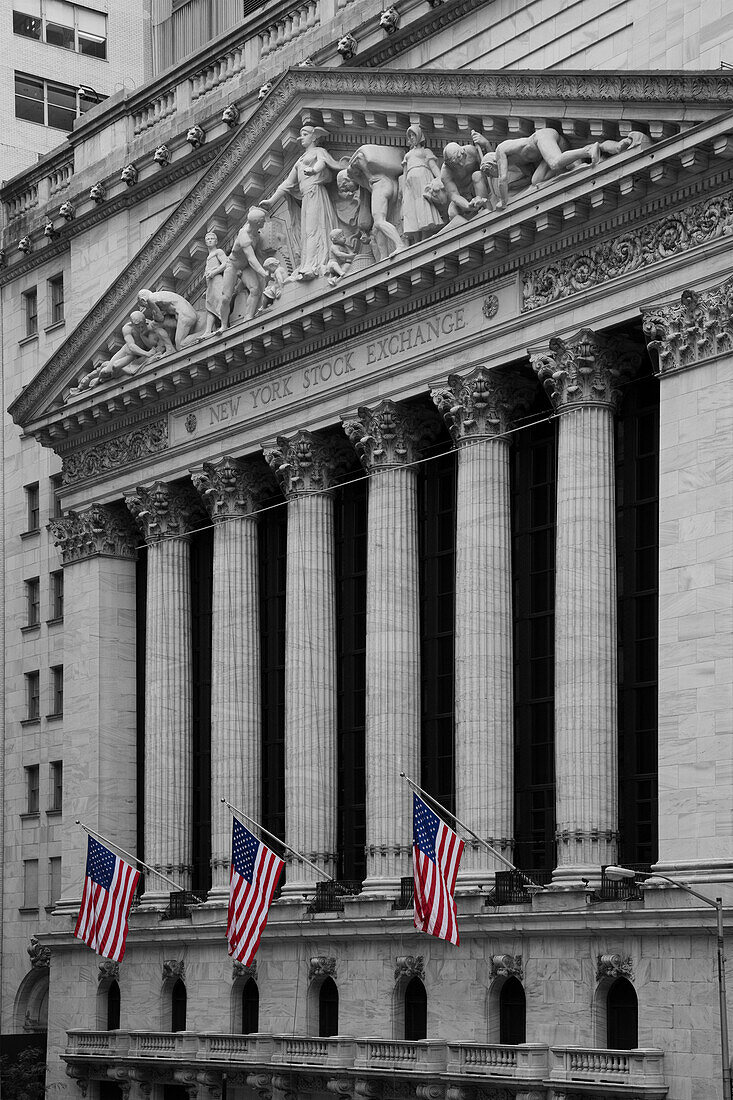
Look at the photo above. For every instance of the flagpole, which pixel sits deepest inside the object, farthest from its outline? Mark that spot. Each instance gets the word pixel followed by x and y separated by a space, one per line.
pixel 129 855
pixel 499 856
pixel 277 840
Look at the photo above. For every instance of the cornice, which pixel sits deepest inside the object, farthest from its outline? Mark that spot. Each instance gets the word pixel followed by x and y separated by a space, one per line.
pixel 415 33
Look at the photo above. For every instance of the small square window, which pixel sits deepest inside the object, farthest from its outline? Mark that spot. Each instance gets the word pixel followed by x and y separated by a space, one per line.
pixel 30 311
pixel 57 689
pixel 33 695
pixel 54 879
pixel 57 594
pixel 56 299
pixel 33 511
pixel 56 784
pixel 30 883
pixel 33 601
pixel 32 804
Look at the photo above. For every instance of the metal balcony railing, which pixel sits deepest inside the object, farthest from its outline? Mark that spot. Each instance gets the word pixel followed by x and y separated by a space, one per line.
pixel 407 894
pixel 625 889
pixel 329 895
pixel 179 904
pixel 512 888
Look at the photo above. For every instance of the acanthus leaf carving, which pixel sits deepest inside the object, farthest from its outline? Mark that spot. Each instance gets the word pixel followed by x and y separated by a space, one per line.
pixel 388 434
pixel 481 403
pixel 613 965
pixel 101 530
pixel 505 966
pixel 322 966
pixel 165 510
pixel 587 369
pixel 409 966
pixel 231 487
pixel 173 968
pixel 306 462
pixel 112 454
pixel 108 969
pixel 700 327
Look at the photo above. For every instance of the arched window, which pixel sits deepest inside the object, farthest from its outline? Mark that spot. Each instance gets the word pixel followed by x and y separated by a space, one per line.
pixel 178 1006
pixel 512 1012
pixel 622 1016
pixel 250 1007
pixel 416 1010
pixel 113 1006
pixel 328 1008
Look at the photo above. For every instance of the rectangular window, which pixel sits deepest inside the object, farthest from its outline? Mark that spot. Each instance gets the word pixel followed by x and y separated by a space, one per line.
pixel 29 98
pixel 56 781
pixel 27 22
pixel 56 299
pixel 61 24
pixel 91 33
pixel 57 689
pixel 54 879
pixel 33 695
pixel 33 601
pixel 33 511
pixel 57 594
pixel 32 804
pixel 49 102
pixel 30 883
pixel 30 311
pixel 56 511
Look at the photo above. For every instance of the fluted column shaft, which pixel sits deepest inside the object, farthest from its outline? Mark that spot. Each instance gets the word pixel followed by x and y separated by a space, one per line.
pixel 581 378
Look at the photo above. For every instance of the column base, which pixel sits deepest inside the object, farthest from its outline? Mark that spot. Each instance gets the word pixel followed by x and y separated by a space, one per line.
pixel 217 897
pixel 474 881
pixel 576 876
pixel 381 887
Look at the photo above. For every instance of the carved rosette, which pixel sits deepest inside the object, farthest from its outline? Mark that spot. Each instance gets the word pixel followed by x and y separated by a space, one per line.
pixel 613 966
pixel 239 970
pixel 409 966
pixel 230 487
pixel 165 511
pixel 506 966
pixel 389 434
pixel 102 530
pixel 108 969
pixel 173 968
pixel 700 327
pixel 322 966
pixel 588 369
pixel 305 462
pixel 39 955
pixel 480 404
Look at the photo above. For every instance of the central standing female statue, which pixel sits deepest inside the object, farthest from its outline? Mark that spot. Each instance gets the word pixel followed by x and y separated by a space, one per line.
pixel 312 171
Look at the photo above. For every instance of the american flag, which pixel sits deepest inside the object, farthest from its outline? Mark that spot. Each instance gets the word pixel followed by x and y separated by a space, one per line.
pixel 436 853
pixel 105 904
pixel 252 881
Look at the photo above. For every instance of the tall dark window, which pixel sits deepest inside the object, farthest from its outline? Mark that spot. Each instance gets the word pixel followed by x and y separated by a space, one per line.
pixel 416 1010
pixel 178 1006
pixel 512 1012
pixel 637 540
pixel 201 596
pixel 351 551
pixel 33 601
pixel 56 299
pixel 30 310
pixel 328 1008
pixel 33 507
pixel 533 546
pixel 437 542
pixel 113 1007
pixel 57 594
pixel 273 545
pixel 622 1016
pixel 250 1007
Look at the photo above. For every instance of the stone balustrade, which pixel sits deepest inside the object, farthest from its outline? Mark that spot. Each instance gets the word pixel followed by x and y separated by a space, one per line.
pixel 627 1067
pixel 498 1059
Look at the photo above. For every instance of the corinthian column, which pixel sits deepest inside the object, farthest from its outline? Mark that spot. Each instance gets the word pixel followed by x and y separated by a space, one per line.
pixel 231 491
pixel 385 438
pixel 581 378
pixel 477 409
pixel 167 514
pixel 306 465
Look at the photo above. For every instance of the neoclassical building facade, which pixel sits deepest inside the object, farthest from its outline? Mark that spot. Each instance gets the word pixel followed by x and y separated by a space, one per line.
pixel 357 477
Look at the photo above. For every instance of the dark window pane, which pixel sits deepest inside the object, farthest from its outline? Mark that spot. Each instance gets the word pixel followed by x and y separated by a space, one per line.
pixel 27 25
pixel 57 35
pixel 93 46
pixel 29 98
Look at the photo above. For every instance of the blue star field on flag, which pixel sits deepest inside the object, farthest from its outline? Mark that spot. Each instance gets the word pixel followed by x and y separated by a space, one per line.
pixel 244 851
pixel 100 864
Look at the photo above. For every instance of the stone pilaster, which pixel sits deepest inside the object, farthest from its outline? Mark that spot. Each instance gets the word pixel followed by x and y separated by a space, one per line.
pixel 582 378
pixel 386 439
pixel 305 466
pixel 478 409
pixel 167 514
pixel 231 491
pixel 98 548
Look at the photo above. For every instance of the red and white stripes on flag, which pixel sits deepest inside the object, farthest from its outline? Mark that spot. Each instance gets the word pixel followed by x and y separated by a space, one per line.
pixel 254 875
pixel 109 887
pixel 436 854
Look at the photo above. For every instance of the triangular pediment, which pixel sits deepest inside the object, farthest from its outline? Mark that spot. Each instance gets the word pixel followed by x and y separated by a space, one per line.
pixel 685 122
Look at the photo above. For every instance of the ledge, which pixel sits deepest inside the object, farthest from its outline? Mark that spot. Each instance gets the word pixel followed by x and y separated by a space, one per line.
pixel 29 534
pixel 30 628
pixel 31 721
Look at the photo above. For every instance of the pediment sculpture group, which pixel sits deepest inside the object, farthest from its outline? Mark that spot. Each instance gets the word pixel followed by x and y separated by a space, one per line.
pixel 344 215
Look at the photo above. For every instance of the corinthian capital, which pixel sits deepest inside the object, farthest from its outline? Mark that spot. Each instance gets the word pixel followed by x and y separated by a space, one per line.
pixel 585 370
pixel 700 327
pixel 231 487
pixel 164 510
pixel 480 404
pixel 306 462
pixel 389 434
pixel 102 530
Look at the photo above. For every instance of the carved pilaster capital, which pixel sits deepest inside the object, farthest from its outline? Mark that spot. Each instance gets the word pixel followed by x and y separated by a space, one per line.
pixel 306 462
pixel 481 404
pixel 389 434
pixel 700 327
pixel 102 529
pixel 164 510
pixel 588 369
pixel 613 966
pixel 230 487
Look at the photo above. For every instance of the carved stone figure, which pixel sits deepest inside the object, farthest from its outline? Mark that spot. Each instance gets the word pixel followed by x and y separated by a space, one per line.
pixel 310 174
pixel 50 231
pixel 128 175
pixel 66 210
pixel 389 20
pixel 276 279
pixel 230 114
pixel 265 89
pixel 420 217
pixel 162 156
pixel 464 185
pixel 347 46
pixel 214 275
pixel 24 245
pixel 172 310
pixel 98 193
pixel 377 171
pixel 143 339
pixel 244 266
pixel 196 136
pixel 2 257
pixel 340 256
pixel 40 957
